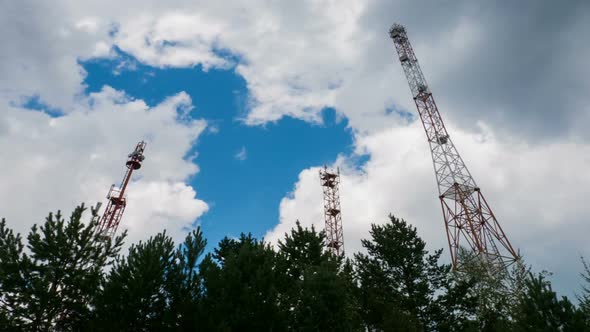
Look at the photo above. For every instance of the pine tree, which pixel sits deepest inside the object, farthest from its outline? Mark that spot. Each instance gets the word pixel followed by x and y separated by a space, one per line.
pixel 154 288
pixel 317 290
pixel 403 287
pixel 12 281
pixel 540 310
pixel 496 292
pixel 136 294
pixel 52 286
pixel 584 297
pixel 188 293
pixel 241 291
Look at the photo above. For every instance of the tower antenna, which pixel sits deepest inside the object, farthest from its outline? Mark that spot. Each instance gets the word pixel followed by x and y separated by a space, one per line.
pixel 468 218
pixel 330 181
pixel 117 200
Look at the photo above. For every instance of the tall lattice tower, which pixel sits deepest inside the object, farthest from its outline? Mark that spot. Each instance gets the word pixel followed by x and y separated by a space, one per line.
pixel 334 236
pixel 117 200
pixel 469 220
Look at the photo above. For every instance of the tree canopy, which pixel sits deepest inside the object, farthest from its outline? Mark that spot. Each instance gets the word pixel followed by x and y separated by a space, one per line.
pixel 65 276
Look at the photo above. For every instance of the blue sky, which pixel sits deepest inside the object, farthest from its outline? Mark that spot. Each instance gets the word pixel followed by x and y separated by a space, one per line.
pixel 243 195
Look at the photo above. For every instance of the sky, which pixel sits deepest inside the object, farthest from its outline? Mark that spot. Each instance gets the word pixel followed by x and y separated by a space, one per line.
pixel 241 102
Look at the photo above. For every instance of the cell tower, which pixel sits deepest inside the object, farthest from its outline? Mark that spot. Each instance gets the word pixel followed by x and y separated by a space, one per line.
pixel 468 217
pixel 334 236
pixel 117 201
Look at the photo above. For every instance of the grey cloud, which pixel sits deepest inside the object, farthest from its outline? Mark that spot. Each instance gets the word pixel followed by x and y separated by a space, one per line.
pixel 526 74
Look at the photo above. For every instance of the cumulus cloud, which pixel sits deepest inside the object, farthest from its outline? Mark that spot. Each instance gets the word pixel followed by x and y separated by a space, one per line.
pixel 483 61
pixel 173 39
pixel 538 193
pixel 57 162
pixel 43 43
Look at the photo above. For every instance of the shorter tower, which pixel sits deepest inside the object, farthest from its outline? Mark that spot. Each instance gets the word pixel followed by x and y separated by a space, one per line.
pixel 334 236
pixel 117 201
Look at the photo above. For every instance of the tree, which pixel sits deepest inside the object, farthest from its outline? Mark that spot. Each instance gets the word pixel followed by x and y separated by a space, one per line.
pixel 584 297
pixel 403 287
pixel 317 289
pixel 188 292
pixel 539 309
pixel 155 287
pixel 496 290
pixel 52 286
pixel 241 291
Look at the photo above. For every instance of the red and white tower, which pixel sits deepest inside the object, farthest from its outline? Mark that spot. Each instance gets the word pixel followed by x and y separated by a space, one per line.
pixel 334 236
pixel 469 220
pixel 117 200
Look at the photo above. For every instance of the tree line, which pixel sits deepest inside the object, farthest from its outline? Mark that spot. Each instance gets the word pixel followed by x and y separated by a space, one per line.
pixel 65 277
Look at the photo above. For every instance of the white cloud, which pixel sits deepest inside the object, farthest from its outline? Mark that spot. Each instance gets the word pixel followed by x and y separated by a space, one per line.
pixel 300 57
pixel 56 163
pixel 172 39
pixel 242 154
pixel 294 57
pixel 42 45
pixel 538 193
pixel 172 206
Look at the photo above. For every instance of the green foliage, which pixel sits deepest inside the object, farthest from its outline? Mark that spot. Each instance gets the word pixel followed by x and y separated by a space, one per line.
pixel 584 297
pixel 51 286
pixel 154 288
pixel 300 287
pixel 189 290
pixel 497 290
pixel 66 277
pixel 317 290
pixel 241 287
pixel 12 280
pixel 539 309
pixel 403 287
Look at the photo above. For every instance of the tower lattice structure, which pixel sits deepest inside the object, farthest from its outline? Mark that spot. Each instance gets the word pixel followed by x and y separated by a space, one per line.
pixel 469 220
pixel 334 236
pixel 117 200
